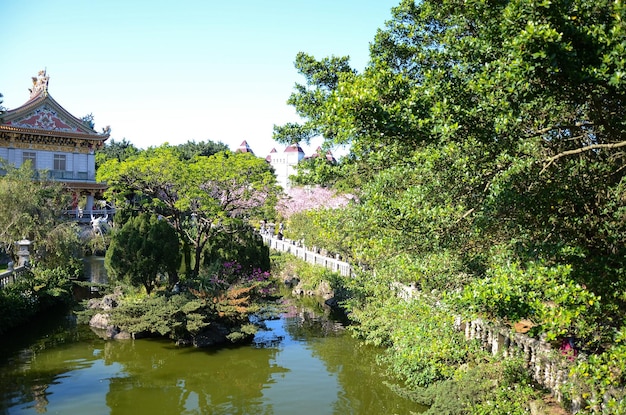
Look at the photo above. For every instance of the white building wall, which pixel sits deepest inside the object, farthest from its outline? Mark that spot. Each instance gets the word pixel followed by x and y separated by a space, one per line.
pixel 82 166
pixel 284 166
pixel 80 163
pixel 45 160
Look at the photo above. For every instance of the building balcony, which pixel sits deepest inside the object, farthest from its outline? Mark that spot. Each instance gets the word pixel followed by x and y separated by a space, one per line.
pixel 71 175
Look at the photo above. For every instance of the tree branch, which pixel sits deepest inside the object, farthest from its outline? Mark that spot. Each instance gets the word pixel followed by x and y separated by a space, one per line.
pixel 579 150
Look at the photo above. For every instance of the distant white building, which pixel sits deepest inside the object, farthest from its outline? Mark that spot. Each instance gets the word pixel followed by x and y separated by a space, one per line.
pixel 285 163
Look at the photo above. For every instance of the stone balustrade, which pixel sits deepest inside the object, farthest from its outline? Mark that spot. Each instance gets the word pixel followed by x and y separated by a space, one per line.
pixel 10 276
pixel 548 367
pixel 309 255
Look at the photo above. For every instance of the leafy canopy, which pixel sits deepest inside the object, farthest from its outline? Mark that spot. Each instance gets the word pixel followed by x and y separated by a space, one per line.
pixel 200 197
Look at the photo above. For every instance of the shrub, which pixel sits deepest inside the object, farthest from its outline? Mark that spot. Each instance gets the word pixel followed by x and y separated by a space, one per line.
pixel 422 345
pixel 545 295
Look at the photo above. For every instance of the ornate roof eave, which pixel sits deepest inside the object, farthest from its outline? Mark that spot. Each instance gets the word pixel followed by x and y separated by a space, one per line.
pixel 45 98
pixel 54 133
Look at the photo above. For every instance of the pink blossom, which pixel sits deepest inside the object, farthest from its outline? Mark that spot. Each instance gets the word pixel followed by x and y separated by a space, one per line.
pixel 299 199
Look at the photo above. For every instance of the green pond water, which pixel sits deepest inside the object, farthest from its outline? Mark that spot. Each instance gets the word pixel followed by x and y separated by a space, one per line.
pixel 303 364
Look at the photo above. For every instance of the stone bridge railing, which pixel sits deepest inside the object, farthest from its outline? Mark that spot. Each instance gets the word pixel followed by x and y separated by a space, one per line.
pixel 312 256
pixel 547 366
pixel 10 276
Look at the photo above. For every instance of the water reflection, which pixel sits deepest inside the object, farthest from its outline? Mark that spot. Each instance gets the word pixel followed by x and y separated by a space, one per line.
pixel 95 275
pixel 168 380
pixel 303 364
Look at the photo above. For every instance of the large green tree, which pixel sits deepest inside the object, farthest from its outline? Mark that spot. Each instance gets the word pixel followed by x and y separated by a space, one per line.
pixel 120 150
pixel 200 197
pixel 145 247
pixel 517 106
pixel 484 130
pixel 31 208
pixel 487 151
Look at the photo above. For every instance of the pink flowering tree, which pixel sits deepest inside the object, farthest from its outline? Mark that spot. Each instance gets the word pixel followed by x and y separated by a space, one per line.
pixel 301 199
pixel 317 216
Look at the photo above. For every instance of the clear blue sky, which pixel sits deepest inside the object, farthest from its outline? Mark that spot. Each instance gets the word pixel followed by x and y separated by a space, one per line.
pixel 172 71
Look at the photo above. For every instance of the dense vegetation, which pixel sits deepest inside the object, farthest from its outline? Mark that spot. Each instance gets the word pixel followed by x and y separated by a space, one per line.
pixel 486 156
pixel 183 239
pixel 486 166
pixel 32 209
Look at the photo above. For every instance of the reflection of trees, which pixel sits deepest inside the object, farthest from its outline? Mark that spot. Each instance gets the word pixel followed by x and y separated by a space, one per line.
pixel 161 378
pixel 361 378
pixel 308 318
pixel 95 271
pixel 29 364
pixel 154 376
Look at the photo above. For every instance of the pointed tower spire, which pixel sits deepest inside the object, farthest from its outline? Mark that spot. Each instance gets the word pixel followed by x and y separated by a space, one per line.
pixel 244 148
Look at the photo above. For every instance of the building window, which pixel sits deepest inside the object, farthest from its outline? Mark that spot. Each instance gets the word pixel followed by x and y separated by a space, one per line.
pixel 59 162
pixel 30 156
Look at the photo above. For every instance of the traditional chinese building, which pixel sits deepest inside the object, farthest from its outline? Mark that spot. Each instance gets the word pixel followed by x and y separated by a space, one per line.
pixel 53 140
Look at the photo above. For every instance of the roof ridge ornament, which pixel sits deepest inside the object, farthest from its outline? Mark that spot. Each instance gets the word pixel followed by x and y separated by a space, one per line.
pixel 40 84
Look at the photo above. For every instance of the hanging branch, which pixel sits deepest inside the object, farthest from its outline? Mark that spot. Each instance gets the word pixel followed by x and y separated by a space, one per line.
pixel 552 159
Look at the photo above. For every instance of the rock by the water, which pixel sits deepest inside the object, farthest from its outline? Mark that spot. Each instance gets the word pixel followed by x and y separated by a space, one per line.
pixel 100 321
pixel 323 290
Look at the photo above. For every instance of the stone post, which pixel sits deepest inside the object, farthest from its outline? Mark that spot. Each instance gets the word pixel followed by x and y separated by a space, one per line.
pixel 23 252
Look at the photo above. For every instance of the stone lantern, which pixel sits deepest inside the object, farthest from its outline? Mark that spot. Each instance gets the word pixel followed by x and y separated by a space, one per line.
pixel 23 252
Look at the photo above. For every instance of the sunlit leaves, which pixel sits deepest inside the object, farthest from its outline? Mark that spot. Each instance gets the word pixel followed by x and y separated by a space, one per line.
pixel 199 197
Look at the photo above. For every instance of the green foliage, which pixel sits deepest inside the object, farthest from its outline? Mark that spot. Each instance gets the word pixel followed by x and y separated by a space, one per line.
pixel 144 248
pixel 599 380
pixel 486 153
pixel 115 150
pixel 35 291
pixel 200 198
pixel 489 387
pixel 16 306
pixel 322 77
pixel 316 171
pixel 422 345
pixel 225 298
pixel 544 295
pixel 191 149
pixel 61 248
pixel 324 228
pixel 310 276
pixel 165 315
pixel 244 332
pixel 225 280
pixel 30 208
pixel 244 246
